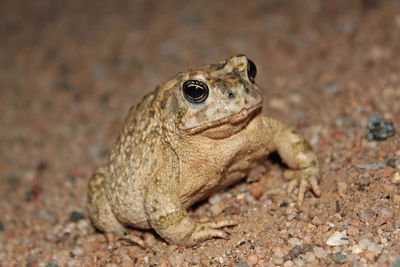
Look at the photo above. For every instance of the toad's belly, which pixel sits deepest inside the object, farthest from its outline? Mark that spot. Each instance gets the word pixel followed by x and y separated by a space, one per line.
pixel 212 181
pixel 216 164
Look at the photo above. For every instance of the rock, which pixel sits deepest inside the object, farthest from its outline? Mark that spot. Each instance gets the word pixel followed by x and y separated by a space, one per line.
pixel 309 257
pixel 395 263
pixel 296 251
pixel 51 264
pixel 395 177
pixel 393 163
pixel 339 257
pixel 338 239
pixel 257 190
pixel 320 253
pixel 252 259
pixel 378 128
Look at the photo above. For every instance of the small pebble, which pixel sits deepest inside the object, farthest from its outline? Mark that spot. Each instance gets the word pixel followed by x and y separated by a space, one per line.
pixel 252 259
pixel 77 252
pixel 241 264
pixel 298 262
pixel 395 177
pixel 353 231
pixel 393 163
pixel 257 190
pixel 294 242
pixel 214 199
pixel 339 257
pixel 76 216
pixel 378 128
pixel 367 215
pixel 375 248
pixel 176 260
pixel 277 260
pixel 309 257
pixel 296 251
pixel 395 263
pixel 291 216
pixel 51 264
pixel 384 212
pixel 364 243
pixel 354 222
pixel 338 239
pixel 342 186
pixel 396 198
pixel 356 249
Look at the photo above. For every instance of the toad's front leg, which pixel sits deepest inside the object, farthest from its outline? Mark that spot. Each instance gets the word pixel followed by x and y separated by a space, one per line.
pixel 297 153
pixel 171 221
pixel 169 218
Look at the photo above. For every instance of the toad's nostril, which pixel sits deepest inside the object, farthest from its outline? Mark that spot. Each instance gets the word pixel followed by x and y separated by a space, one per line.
pixel 231 95
pixel 246 90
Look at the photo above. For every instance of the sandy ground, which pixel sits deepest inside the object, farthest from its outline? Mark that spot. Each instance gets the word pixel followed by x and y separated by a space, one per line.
pixel 70 70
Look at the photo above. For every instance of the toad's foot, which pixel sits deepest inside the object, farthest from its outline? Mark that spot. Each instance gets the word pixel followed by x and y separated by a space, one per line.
pixel 204 231
pixel 113 238
pixel 304 180
pixel 133 239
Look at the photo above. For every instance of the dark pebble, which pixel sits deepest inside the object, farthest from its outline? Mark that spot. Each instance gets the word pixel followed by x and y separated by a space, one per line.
pixel 76 216
pixel 1 226
pixel 51 264
pixel 296 251
pixel 240 243
pixel 283 205
pixel 393 163
pixel 379 128
pixel 339 257
pixel 241 264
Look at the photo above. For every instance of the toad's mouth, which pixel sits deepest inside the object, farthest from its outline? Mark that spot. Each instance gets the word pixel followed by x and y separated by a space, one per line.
pixel 241 117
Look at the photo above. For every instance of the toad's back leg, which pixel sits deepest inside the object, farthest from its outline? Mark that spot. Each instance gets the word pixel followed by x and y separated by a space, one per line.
pixel 99 209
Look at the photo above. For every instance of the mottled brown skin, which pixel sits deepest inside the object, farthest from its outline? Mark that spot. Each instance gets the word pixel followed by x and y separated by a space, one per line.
pixel 171 153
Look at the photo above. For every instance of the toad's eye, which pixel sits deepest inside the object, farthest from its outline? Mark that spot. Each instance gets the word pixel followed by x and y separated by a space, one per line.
pixel 251 70
pixel 195 91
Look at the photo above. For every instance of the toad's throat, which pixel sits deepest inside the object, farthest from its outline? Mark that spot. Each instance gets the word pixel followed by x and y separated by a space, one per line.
pixel 242 116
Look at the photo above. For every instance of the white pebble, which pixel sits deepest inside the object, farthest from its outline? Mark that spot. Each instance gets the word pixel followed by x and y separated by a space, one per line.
pixel 395 177
pixel 215 199
pixel 356 249
pixel 338 239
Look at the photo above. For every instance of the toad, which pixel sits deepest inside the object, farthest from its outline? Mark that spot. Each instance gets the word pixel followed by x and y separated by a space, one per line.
pixel 194 135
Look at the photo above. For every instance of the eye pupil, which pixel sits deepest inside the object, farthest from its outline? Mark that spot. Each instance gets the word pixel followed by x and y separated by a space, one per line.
pixel 251 70
pixel 195 91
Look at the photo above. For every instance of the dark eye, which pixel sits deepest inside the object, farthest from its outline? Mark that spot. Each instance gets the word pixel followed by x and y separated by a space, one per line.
pixel 251 70
pixel 195 91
